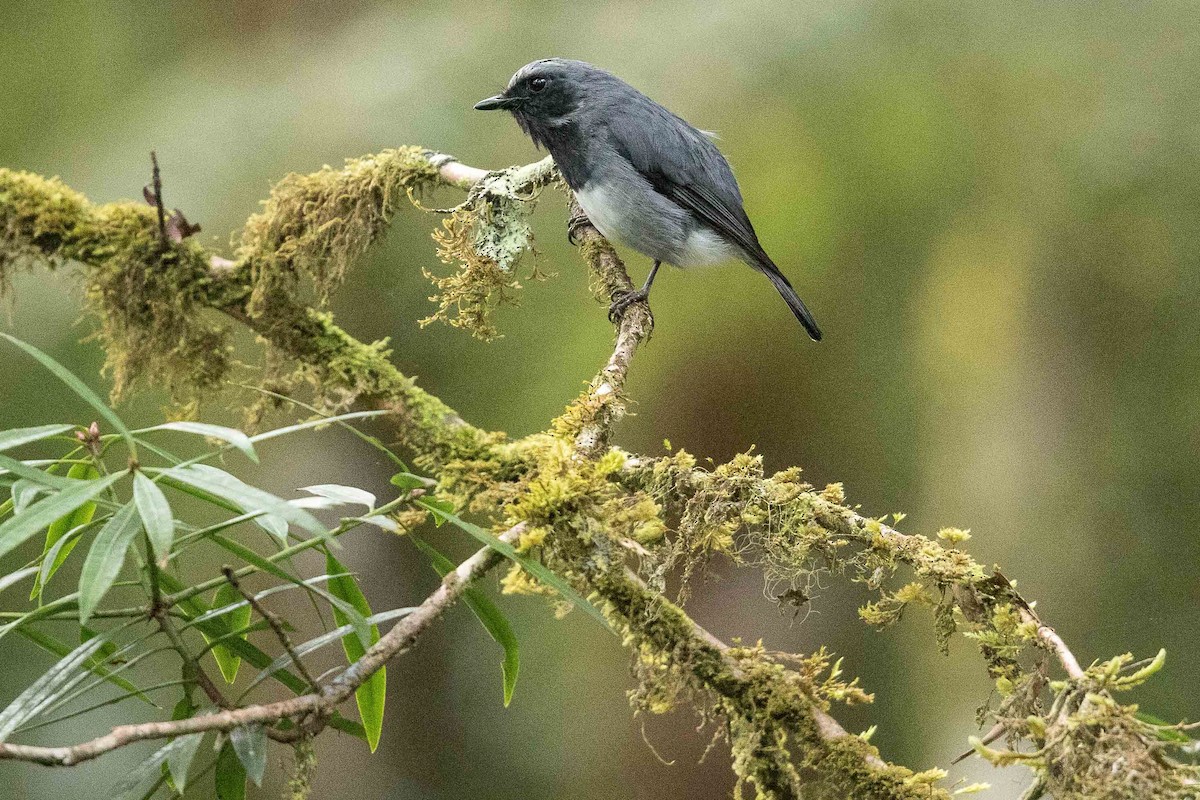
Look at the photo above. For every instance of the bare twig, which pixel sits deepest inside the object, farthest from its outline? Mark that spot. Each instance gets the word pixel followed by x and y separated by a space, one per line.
pixel 276 626
pixel 158 199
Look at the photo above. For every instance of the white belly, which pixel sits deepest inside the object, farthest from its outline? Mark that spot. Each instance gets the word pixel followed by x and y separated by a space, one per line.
pixel 623 217
pixel 604 209
pixel 704 247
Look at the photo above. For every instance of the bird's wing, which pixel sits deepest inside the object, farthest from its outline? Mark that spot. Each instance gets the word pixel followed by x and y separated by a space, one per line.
pixel 683 164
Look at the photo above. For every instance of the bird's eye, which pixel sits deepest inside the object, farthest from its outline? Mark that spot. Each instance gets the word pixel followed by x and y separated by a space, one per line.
pixel 537 84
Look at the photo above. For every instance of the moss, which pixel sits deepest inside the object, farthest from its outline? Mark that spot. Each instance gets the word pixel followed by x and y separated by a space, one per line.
pixel 317 224
pixel 1092 746
pixel 147 296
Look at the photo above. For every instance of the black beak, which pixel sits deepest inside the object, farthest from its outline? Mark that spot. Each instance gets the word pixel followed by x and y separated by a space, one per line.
pixel 495 103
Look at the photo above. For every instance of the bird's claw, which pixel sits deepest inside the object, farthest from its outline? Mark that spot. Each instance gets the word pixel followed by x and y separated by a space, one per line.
pixel 621 304
pixel 576 221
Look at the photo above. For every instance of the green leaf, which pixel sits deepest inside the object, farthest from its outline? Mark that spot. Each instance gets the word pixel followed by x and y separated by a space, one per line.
pixel 155 511
pixel 230 775
pixel 53 557
pixel 131 786
pixel 246 497
pixel 250 744
pixel 29 473
pixel 327 638
pixel 16 531
pixel 213 631
pixel 24 492
pixel 406 481
pixel 442 510
pixel 250 557
pixel 19 436
pixel 372 695
pixel 104 559
pixel 179 759
pixel 53 684
pixel 534 567
pixel 345 495
pixel 78 387
pixel 61 527
pixel 316 423
pixel 352 727
pixel 231 435
pixel 94 664
pixel 492 618
pixel 227 659
pixel 18 576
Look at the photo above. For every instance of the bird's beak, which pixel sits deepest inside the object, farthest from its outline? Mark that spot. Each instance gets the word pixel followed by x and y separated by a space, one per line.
pixel 495 103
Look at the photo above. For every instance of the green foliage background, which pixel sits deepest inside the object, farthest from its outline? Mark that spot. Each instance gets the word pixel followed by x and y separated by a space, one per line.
pixel 991 208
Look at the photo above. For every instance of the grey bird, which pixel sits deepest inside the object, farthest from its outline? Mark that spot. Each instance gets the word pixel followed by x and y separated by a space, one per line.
pixel 642 175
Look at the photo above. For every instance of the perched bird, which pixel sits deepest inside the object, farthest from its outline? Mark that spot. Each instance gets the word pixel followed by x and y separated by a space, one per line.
pixel 643 176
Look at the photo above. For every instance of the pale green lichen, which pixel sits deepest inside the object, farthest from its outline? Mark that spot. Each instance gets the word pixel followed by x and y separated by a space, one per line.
pixel 484 238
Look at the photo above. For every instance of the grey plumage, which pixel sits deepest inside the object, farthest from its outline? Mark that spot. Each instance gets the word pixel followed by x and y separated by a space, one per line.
pixel 644 176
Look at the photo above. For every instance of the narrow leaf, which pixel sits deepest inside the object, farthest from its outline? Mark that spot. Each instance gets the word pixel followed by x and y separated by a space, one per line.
pixel 155 511
pixel 24 492
pixel 22 470
pixel 534 567
pixel 61 527
pixel 78 387
pixel 67 673
pixel 347 495
pixel 250 745
pixel 213 631
pixel 104 559
pixel 492 618
pixel 227 659
pixel 179 759
pixel 230 775
pixel 54 557
pixel 19 436
pixel 94 664
pixel 371 696
pixel 131 786
pixel 316 423
pixel 325 639
pixel 18 576
pixel 231 435
pixel 246 497
pixel 349 610
pixel 16 531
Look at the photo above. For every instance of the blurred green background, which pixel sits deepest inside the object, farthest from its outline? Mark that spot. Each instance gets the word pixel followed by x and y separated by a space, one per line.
pixel 991 208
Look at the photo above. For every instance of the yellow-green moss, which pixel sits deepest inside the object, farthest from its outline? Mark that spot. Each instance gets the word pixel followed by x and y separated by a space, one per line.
pixel 317 224
pixel 148 296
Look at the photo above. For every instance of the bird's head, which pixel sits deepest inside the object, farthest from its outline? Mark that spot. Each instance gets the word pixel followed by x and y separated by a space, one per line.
pixel 544 94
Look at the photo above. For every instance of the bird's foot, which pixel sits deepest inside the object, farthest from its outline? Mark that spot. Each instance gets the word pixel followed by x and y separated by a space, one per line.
pixel 621 304
pixel 576 221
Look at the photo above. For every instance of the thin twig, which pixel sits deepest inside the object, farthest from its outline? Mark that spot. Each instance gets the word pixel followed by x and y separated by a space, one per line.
pixel 158 199
pixel 276 625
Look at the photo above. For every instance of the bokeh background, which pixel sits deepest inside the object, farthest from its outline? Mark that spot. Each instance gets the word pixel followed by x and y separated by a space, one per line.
pixel 992 208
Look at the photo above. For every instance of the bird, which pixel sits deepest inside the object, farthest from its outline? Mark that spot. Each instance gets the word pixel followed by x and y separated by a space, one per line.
pixel 644 176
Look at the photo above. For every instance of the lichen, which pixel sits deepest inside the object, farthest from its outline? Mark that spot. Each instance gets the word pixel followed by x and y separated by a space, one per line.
pixel 484 238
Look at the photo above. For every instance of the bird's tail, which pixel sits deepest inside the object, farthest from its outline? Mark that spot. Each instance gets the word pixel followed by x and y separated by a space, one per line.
pixel 793 300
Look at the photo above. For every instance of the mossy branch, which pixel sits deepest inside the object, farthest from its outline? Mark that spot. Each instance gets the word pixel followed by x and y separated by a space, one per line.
pixel 566 495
